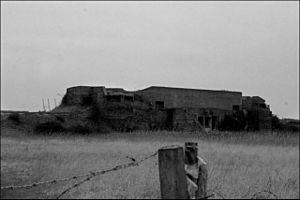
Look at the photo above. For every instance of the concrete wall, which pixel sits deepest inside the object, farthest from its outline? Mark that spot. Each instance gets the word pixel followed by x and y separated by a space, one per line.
pixel 264 119
pixel 188 118
pixel 98 95
pixel 262 115
pixel 75 95
pixel 180 98
pixel 187 105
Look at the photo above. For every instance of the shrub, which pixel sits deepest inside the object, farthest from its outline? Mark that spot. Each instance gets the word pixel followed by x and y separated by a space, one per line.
pixel 80 129
pixel 59 118
pixel 49 127
pixel 276 124
pixel 233 122
pixel 15 117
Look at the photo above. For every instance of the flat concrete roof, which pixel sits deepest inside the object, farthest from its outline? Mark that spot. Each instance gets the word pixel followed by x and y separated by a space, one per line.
pixel 174 88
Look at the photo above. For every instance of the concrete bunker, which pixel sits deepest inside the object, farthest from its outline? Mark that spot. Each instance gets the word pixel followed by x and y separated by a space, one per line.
pixel 169 108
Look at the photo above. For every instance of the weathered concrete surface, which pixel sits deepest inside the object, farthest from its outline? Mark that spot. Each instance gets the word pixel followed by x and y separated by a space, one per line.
pixel 182 98
pixel 260 110
pixel 167 108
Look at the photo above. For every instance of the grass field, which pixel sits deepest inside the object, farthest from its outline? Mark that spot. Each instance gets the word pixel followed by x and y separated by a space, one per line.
pixel 239 164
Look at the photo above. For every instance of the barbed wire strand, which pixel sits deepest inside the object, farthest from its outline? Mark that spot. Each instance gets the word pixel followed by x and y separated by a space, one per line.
pixel 91 175
pixel 118 167
pixel 13 187
pixel 264 191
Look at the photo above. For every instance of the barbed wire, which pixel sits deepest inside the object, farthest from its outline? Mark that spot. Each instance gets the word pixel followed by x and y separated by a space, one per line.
pixel 13 187
pixel 90 174
pixel 262 192
pixel 118 167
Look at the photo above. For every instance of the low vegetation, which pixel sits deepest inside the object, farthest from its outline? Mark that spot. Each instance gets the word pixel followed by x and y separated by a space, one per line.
pixel 49 127
pixel 15 117
pixel 240 164
pixel 81 129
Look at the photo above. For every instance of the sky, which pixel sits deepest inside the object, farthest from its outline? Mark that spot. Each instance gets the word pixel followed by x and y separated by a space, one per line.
pixel 251 47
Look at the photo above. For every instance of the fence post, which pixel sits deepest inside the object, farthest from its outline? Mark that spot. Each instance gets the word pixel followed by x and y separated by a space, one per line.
pixel 196 171
pixel 172 176
pixel 202 180
pixel 191 153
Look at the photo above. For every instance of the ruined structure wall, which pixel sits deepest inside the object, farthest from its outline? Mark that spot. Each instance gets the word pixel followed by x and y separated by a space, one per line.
pixel 76 95
pixel 179 98
pixel 264 119
pixel 98 95
pixel 262 115
pixel 133 116
pixel 177 108
pixel 188 118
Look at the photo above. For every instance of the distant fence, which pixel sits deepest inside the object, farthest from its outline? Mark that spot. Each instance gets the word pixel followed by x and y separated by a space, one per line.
pixel 182 174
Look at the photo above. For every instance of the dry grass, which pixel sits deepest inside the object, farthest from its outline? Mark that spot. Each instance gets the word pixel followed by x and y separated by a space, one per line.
pixel 239 164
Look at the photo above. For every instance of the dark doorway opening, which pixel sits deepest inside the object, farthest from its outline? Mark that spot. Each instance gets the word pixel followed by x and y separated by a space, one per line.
pixel 207 121
pixel 159 105
pixel 170 118
pixel 201 120
pixel 214 122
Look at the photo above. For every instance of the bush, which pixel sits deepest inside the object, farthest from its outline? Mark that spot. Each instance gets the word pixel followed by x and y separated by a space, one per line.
pixel 15 117
pixel 49 127
pixel 59 118
pixel 233 122
pixel 276 124
pixel 80 129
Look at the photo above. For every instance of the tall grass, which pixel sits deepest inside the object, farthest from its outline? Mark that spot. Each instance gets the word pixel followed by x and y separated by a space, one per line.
pixel 239 164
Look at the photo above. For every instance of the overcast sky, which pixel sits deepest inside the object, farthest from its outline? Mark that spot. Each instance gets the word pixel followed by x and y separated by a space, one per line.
pixel 252 47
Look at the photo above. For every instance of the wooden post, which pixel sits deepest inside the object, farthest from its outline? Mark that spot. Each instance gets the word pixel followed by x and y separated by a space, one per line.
pixel 191 168
pixel 172 176
pixel 202 180
pixel 191 153
pixel 196 172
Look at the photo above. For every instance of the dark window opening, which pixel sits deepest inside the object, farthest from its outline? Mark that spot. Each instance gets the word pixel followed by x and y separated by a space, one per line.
pixel 207 121
pixel 201 119
pixel 116 98
pixel 236 107
pixel 262 105
pixel 128 98
pixel 159 105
